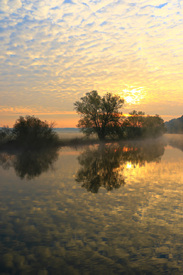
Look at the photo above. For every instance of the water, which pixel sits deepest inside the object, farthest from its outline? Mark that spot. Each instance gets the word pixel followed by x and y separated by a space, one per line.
pixel 108 209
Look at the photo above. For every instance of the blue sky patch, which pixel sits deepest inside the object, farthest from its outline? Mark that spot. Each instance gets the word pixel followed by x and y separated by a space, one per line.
pixel 161 6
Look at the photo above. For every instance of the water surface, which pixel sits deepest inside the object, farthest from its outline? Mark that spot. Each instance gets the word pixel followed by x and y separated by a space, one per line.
pixel 104 209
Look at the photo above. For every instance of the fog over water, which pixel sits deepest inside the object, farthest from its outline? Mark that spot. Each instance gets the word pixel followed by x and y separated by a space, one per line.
pixel 104 209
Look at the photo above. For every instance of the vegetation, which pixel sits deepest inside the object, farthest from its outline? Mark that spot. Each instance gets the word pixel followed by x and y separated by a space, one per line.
pixel 99 115
pixel 5 135
pixel 32 132
pixel 175 125
pixel 140 125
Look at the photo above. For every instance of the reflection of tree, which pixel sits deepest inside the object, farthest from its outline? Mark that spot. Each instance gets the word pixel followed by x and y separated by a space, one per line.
pixel 32 164
pixel 6 160
pixel 143 152
pixel 103 166
pixel 100 168
pixel 29 164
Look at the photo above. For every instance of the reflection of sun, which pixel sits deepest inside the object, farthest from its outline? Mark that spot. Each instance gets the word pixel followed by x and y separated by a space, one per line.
pixel 129 165
pixel 133 96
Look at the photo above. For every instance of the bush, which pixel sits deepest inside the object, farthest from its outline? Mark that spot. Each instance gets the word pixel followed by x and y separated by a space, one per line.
pixel 139 125
pixel 5 135
pixel 30 131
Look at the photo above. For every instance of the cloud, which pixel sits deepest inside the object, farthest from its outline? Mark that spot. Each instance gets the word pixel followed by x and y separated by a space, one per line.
pixel 52 52
pixel 10 6
pixel 25 110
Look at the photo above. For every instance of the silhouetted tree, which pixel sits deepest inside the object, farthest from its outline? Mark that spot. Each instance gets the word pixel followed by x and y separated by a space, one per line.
pixel 140 125
pixel 99 115
pixel 32 132
pixel 5 135
pixel 154 126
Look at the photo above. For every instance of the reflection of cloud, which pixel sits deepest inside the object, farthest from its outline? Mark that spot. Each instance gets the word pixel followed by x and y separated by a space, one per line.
pixel 55 51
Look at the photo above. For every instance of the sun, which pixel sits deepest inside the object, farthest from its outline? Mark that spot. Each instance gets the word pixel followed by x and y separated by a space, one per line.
pixel 129 99
pixel 134 95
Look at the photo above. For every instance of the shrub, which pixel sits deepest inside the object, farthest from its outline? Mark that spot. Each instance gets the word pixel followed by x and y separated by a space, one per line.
pixel 32 132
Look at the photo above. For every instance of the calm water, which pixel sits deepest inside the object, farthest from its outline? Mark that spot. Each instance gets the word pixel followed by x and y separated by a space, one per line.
pixel 108 209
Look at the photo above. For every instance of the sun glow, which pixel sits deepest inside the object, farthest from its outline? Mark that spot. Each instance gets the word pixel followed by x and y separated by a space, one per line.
pixel 128 165
pixel 133 96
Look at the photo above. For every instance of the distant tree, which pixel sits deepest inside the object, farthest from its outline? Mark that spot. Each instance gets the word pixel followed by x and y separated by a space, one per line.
pixel 5 135
pixel 99 115
pixel 154 126
pixel 32 132
pixel 132 125
pixel 140 125
pixel 175 125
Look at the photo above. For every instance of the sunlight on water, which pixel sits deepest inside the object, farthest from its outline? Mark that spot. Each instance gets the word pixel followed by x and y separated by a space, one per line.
pixel 107 209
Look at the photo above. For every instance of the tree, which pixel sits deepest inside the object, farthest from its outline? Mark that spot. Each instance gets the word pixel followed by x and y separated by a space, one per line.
pixel 30 131
pixel 99 115
pixel 5 135
pixel 132 125
pixel 154 126
pixel 140 125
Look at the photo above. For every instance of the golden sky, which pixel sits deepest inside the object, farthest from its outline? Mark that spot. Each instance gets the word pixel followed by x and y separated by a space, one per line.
pixel 53 52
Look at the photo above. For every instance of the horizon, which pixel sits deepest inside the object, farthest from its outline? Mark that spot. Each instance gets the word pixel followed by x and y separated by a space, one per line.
pixel 60 124
pixel 75 127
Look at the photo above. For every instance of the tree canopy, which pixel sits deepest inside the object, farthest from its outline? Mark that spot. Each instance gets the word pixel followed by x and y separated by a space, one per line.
pixel 33 132
pixel 138 124
pixel 99 115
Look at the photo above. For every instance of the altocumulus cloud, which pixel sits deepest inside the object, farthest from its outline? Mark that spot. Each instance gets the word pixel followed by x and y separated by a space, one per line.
pixel 55 51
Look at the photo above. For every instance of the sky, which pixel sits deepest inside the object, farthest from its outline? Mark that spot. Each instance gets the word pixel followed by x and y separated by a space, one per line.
pixel 53 52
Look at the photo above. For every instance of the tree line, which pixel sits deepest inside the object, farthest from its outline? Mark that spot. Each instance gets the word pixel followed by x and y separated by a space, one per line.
pixel 100 115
